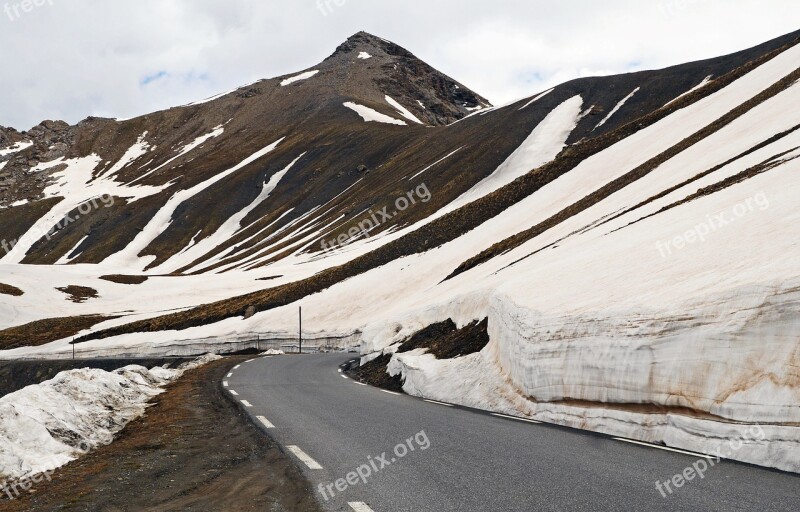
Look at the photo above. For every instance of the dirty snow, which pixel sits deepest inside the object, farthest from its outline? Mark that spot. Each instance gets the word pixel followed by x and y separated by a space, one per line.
pixel 47 425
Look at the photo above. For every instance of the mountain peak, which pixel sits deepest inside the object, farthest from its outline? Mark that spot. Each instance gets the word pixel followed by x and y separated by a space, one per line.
pixel 371 67
pixel 366 42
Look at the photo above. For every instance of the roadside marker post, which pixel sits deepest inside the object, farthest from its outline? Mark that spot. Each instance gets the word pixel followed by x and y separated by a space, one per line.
pixel 301 330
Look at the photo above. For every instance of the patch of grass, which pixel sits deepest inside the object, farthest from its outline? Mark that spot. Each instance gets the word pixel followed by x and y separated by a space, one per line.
pixel 79 294
pixel 270 278
pixel 7 289
pixel 41 332
pixel 123 279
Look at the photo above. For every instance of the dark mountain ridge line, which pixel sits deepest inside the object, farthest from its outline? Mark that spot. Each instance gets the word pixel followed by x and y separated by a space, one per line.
pixel 433 234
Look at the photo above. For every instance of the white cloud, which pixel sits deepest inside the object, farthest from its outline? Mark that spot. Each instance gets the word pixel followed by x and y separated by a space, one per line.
pixel 68 59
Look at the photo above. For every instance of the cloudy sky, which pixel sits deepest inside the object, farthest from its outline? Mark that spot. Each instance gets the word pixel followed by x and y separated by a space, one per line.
pixel 68 59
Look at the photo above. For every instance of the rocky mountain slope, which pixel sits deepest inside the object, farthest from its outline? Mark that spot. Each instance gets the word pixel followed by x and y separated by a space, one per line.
pixel 631 239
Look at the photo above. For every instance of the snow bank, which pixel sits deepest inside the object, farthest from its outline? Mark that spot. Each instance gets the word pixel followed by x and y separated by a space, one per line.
pixel 635 376
pixel 45 426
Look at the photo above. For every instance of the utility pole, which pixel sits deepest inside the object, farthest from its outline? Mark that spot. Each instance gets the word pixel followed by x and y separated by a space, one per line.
pixel 301 330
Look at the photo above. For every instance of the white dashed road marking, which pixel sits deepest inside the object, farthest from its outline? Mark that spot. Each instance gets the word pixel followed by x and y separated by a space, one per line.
pixel 359 506
pixel 237 367
pixel 344 376
pixel 229 375
pixel 665 448
pixel 265 422
pixel 225 383
pixel 246 403
pixel 515 418
pixel 439 403
pixel 300 454
pixel 234 393
pixel 390 392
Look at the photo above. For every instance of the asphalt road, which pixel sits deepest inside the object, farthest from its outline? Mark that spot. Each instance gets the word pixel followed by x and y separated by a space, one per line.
pixel 465 460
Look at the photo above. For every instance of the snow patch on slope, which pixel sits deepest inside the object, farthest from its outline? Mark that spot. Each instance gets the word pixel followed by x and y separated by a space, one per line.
pixel 616 108
pixel 537 98
pixel 302 76
pixel 199 141
pixel 370 115
pixel 67 257
pixel 434 164
pixel 403 111
pixel 76 184
pixel 225 232
pixel 16 148
pixel 364 56
pixel 129 257
pixel 542 145
pixel 702 84
pixel 134 152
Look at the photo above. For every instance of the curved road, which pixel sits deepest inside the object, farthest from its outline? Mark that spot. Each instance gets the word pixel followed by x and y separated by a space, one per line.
pixel 402 453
